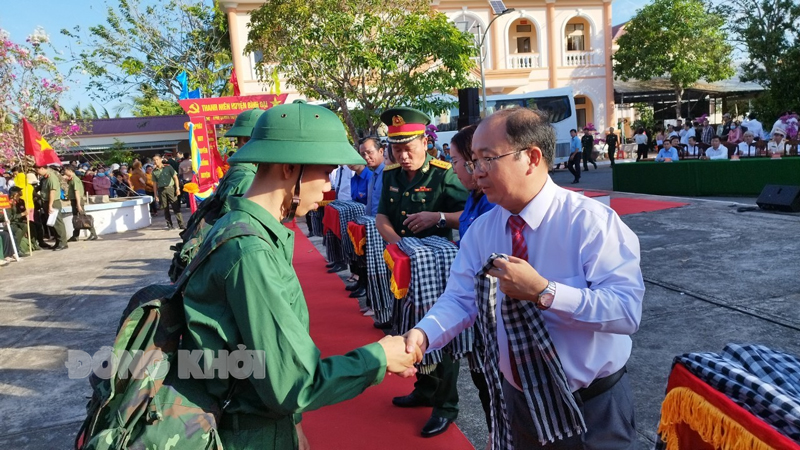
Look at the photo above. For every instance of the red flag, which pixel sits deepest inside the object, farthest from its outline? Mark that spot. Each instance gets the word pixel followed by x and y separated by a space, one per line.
pixel 235 83
pixel 36 146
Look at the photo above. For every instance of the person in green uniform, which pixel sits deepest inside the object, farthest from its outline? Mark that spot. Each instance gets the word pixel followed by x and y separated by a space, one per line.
pixel 75 196
pixel 239 177
pixel 50 190
pixel 421 197
pixel 18 218
pixel 247 293
pixel 165 183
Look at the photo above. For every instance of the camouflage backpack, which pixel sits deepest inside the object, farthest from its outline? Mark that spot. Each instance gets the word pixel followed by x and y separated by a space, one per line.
pixel 200 223
pixel 131 406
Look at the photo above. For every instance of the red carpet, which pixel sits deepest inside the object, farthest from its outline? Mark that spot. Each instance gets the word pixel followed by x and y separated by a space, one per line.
pixel 625 206
pixel 369 421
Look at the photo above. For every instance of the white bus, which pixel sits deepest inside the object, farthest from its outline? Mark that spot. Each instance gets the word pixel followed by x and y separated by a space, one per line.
pixel 558 104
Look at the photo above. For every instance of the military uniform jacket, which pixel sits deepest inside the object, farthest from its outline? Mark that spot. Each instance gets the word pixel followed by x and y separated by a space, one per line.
pixel 75 190
pixel 163 177
pixel 435 188
pixel 51 183
pixel 247 293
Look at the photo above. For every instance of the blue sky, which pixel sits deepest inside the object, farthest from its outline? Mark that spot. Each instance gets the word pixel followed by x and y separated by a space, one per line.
pixel 21 18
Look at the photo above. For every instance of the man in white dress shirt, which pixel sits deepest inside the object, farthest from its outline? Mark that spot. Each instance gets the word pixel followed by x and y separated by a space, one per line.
pixel 340 182
pixel 717 150
pixel 582 271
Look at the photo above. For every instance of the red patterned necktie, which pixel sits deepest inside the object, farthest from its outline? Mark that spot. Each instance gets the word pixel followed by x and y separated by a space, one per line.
pixel 519 249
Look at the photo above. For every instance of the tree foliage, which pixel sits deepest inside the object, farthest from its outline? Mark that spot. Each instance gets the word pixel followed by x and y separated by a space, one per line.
pixel 769 30
pixel 681 40
pixel 140 49
pixel 31 87
pixel 370 53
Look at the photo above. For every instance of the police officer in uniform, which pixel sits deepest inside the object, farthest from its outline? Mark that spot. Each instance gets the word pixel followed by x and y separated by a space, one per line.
pixel 247 293
pixel 421 197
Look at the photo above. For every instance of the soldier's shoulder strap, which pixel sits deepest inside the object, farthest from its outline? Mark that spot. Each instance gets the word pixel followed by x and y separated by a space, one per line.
pixel 441 164
pixel 391 167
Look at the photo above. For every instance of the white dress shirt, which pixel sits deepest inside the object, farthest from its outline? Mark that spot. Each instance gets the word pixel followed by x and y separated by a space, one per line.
pixel 718 153
pixel 592 256
pixel 754 126
pixel 692 150
pixel 340 182
pixel 743 149
pixel 774 147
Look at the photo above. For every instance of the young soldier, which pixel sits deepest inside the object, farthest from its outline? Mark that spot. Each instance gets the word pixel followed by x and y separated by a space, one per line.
pixel 75 196
pixel 51 196
pixel 247 294
pixel 421 197
pixel 165 183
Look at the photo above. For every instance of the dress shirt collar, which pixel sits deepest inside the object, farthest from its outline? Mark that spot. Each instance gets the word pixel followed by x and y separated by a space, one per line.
pixel 533 213
pixel 266 219
pixel 379 170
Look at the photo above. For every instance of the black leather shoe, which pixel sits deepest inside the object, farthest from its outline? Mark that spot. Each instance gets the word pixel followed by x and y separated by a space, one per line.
pixel 45 245
pixel 360 292
pixel 410 401
pixel 337 268
pixel 574 181
pixel 72 239
pixel 352 287
pixel 383 325
pixel 60 247
pixel 435 426
pixel 329 265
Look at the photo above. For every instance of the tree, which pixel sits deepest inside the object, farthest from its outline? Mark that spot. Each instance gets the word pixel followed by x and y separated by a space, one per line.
pixel 370 53
pixel 768 31
pixel 678 39
pixel 31 87
pixel 141 49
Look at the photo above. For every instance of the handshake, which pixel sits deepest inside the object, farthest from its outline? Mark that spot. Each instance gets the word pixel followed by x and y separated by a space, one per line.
pixel 402 352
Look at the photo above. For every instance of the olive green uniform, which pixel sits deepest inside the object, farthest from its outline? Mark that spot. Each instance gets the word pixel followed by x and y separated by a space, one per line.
pixel 237 181
pixel 18 217
pixel 167 197
pixel 75 193
pixel 435 188
pixel 52 182
pixel 248 293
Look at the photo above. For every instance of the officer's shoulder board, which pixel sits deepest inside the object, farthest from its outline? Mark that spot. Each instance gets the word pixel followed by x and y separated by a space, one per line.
pixel 441 164
pixel 391 167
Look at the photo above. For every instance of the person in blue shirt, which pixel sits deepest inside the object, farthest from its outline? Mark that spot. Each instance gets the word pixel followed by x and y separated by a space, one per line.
pixel 359 183
pixel 668 151
pixel 477 204
pixel 574 162
pixel 370 149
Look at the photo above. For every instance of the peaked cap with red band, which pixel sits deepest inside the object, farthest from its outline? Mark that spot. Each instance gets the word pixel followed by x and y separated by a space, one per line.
pixel 405 124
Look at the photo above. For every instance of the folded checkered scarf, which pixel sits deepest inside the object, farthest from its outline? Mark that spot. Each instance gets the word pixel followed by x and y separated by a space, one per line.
pixel 552 406
pixel 348 212
pixel 763 381
pixel 378 277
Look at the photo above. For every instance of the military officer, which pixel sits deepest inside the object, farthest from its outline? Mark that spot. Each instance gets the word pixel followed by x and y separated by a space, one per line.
pixel 51 196
pixel 247 293
pixel 421 197
pixel 165 182
pixel 75 196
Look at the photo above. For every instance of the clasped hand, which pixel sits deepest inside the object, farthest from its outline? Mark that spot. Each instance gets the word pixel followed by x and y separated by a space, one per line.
pixel 518 279
pixel 398 360
pixel 421 221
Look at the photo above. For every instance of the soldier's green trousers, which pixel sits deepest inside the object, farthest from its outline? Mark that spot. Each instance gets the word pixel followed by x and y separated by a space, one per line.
pixel 441 388
pixel 59 228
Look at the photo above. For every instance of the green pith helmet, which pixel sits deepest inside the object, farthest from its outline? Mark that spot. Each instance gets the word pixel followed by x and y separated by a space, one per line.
pixel 245 121
pixel 298 133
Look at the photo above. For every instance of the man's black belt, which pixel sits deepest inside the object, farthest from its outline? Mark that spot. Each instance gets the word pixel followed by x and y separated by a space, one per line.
pixel 237 422
pixel 600 385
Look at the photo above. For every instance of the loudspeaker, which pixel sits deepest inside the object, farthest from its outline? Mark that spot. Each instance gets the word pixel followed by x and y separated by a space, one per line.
pixel 469 108
pixel 780 198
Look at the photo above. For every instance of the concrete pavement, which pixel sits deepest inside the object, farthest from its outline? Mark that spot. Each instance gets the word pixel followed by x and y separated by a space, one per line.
pixel 714 275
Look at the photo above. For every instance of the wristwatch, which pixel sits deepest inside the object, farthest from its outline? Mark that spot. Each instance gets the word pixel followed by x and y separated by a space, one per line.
pixel 442 222
pixel 546 296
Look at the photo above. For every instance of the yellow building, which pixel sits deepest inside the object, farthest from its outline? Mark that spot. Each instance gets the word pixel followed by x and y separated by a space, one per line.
pixel 543 44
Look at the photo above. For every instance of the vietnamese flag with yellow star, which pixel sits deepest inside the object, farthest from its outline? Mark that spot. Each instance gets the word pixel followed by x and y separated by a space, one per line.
pixel 36 146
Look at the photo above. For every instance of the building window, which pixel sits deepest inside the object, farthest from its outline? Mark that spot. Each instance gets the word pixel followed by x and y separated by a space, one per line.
pixel 523 45
pixel 576 37
pixel 522 37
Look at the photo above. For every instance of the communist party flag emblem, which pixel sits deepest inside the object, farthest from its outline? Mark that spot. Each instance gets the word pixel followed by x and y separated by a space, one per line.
pixel 36 146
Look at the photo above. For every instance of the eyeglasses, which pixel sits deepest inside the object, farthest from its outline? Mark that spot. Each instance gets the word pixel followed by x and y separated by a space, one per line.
pixel 485 164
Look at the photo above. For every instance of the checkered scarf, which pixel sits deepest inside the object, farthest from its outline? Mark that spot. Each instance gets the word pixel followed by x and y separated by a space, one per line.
pixel 763 381
pixel 333 247
pixel 552 406
pixel 348 212
pixel 316 222
pixel 377 273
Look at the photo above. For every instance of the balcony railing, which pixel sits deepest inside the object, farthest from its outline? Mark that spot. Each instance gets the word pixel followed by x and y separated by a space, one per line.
pixel 524 61
pixel 574 59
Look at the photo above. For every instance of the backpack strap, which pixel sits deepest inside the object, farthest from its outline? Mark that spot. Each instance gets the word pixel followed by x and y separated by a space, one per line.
pixel 232 231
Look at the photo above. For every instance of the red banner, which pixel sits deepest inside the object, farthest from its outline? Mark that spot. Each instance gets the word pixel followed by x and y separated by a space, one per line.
pixel 225 109
pixel 5 203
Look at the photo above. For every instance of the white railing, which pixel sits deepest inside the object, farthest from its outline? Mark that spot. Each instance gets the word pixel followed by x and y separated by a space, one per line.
pixel 530 61
pixel 573 59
